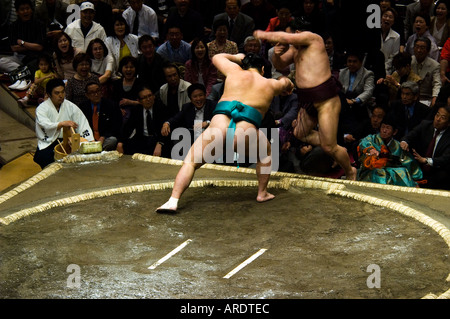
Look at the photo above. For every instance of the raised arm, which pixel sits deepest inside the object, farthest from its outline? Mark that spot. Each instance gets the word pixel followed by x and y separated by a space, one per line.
pixel 227 63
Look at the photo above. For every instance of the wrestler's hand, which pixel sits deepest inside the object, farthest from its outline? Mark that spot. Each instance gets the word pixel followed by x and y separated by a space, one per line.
pixel 280 49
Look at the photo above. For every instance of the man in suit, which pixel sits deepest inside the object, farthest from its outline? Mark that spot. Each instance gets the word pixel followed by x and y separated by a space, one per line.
pixel 428 69
pixel 409 111
pixel 240 25
pixel 357 89
pixel 141 133
pixel 104 117
pixel 429 143
pixel 199 109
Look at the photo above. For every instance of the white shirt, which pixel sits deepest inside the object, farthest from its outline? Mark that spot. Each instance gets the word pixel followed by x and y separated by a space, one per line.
pixel 77 36
pixel 390 47
pixel 47 119
pixel 148 20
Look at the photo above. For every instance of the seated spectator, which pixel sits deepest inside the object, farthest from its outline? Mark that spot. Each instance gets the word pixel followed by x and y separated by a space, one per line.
pixel 175 49
pixel 408 110
pixel 121 43
pixel 106 16
pixel 161 8
pixel 26 39
pixel 357 85
pixel 200 69
pixel 444 65
pixel 189 19
pixel 102 61
pixel 125 89
pixel 369 126
pixel 174 93
pixel 429 143
pixel 284 108
pixel 85 29
pixel 199 110
pixel 75 87
pixel 142 130
pixel 337 59
pixel 239 24
pixel 421 27
pixel 412 9
pixel 383 161
pixel 253 45
pixel 53 114
pixel 403 72
pixel 440 22
pixel 282 18
pixel 150 64
pixel 428 70
pixel 53 13
pixel 302 158
pixel 261 11
pixel 221 44
pixel 399 23
pixel 216 92
pixel 390 40
pixel 141 19
pixel 104 117
pixel 63 56
pixel 41 78
pixel 309 10
pixel 118 6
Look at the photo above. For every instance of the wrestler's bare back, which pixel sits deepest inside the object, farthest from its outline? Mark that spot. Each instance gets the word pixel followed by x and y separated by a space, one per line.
pixel 252 89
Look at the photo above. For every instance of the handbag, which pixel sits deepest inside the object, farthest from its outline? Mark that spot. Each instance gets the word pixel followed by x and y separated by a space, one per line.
pixel 20 73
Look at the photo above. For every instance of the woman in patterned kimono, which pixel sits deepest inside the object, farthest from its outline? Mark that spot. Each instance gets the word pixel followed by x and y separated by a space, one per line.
pixel 384 162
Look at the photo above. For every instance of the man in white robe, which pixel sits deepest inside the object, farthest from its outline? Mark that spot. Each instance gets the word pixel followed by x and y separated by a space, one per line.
pixel 51 116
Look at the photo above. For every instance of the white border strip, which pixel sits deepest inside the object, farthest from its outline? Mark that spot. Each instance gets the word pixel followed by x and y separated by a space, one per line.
pixel 169 255
pixel 245 263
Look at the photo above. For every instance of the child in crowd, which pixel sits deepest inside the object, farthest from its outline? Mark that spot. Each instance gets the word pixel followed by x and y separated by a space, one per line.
pixel 41 77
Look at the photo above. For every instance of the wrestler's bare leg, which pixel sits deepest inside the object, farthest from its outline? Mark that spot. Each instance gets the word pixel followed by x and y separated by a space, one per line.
pixel 193 161
pixel 304 128
pixel 264 159
pixel 328 118
pixel 263 164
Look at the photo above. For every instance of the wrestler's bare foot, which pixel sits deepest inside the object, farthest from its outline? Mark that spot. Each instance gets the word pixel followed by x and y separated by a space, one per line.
pixel 264 197
pixel 352 176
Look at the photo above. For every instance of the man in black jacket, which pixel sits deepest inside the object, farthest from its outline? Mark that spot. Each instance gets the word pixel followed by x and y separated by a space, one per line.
pixel 429 142
pixel 141 132
pixel 104 116
pixel 199 109
pixel 409 111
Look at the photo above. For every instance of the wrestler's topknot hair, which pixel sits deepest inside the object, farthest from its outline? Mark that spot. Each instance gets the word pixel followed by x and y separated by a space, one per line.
pixel 252 60
pixel 301 24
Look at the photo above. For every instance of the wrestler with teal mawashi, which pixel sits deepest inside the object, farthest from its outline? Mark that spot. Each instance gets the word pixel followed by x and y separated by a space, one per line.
pixel 244 86
pixel 237 111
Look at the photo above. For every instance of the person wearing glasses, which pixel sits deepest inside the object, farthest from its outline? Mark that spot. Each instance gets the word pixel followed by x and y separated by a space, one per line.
pixel 104 117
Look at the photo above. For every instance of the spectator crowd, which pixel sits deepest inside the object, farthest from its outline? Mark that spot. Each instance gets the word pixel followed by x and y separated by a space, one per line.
pixel 138 69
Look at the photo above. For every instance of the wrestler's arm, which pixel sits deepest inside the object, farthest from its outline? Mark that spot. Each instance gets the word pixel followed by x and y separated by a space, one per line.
pixel 298 38
pixel 227 63
pixel 283 84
